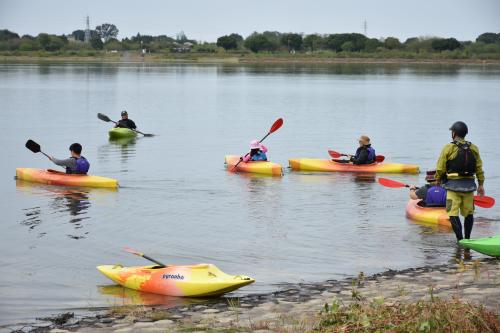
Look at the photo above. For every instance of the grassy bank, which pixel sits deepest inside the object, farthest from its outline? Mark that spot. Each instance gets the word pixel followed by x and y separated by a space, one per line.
pixel 320 57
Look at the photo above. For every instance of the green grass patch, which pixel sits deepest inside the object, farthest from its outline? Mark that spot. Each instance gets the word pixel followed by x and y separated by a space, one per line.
pixel 436 315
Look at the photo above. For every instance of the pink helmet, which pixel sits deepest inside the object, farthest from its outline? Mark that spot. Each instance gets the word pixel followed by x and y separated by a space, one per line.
pixel 254 144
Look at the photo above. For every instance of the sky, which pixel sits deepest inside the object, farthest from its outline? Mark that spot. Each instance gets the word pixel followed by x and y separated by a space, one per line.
pixel 205 20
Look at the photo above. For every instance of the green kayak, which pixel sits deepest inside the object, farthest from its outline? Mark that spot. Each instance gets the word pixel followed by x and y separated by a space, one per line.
pixel 120 133
pixel 489 245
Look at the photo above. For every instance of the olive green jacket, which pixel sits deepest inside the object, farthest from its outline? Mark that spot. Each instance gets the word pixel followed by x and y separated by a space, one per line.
pixel 448 153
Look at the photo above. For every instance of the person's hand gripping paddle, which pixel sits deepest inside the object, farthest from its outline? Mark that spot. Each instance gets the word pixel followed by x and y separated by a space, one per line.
pixel 334 154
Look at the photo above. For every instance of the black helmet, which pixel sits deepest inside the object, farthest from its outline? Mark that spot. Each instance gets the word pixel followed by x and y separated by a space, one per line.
pixel 460 129
pixel 124 113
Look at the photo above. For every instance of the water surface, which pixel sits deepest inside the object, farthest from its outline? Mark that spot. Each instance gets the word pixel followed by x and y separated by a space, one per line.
pixel 178 204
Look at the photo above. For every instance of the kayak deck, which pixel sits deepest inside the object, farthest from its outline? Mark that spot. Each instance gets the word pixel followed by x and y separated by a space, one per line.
pixel 258 167
pixel 52 177
pixel 191 281
pixel 428 215
pixel 489 245
pixel 323 165
pixel 121 133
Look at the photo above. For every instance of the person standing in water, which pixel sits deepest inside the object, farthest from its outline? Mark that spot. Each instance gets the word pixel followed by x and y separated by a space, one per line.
pixel 457 167
pixel 76 164
pixel 257 152
pixel 125 122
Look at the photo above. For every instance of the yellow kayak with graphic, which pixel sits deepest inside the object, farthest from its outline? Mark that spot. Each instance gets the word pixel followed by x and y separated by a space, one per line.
pixel 200 280
pixel 429 215
pixel 53 177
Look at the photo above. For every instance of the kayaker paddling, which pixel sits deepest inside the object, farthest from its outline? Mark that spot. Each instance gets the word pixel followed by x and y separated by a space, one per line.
pixel 257 152
pixel 365 154
pixel 431 194
pixel 76 164
pixel 457 167
pixel 125 122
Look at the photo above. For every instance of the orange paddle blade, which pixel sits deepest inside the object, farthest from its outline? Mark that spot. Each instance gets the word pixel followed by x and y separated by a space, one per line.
pixel 379 158
pixel 484 202
pixel 277 124
pixel 335 154
pixel 391 183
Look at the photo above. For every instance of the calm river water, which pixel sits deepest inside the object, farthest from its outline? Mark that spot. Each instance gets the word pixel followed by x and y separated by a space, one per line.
pixel 177 202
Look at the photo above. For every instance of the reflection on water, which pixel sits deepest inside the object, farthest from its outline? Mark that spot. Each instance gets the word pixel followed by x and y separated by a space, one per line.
pixel 62 200
pixel 122 149
pixel 118 295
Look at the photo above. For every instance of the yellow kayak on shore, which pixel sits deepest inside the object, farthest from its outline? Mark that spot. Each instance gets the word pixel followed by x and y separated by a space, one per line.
pixel 191 281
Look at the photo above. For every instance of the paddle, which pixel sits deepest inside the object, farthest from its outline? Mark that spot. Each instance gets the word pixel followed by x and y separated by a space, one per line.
pixel 481 201
pixel 276 126
pixel 140 254
pixel 334 154
pixel 34 147
pixel 105 118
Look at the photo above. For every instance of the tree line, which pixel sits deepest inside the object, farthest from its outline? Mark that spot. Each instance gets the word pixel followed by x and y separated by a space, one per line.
pixel 104 36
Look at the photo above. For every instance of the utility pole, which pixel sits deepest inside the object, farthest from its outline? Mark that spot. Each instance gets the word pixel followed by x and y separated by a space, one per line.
pixel 87 30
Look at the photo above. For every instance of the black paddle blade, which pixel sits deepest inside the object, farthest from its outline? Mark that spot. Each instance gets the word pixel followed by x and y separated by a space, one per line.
pixel 103 117
pixel 33 146
pixel 148 135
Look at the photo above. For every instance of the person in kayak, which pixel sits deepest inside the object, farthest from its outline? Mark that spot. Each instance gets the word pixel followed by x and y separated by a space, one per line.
pixel 76 164
pixel 365 154
pixel 457 167
pixel 257 152
pixel 125 122
pixel 431 194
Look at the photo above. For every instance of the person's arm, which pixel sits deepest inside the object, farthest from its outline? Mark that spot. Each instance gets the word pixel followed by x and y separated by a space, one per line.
pixel 362 158
pixel 246 158
pixel 132 124
pixel 479 170
pixel 441 165
pixel 68 162
pixel 263 148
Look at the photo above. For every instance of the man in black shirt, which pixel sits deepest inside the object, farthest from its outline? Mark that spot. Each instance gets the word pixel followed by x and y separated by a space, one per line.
pixel 125 122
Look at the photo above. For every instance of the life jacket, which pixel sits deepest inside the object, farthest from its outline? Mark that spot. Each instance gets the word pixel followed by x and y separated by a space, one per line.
pixel 260 156
pixel 82 166
pixel 371 153
pixel 436 197
pixel 464 163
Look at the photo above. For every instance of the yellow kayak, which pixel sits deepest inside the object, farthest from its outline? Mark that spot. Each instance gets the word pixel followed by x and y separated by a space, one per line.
pixel 259 167
pixel 191 281
pixel 53 177
pixel 323 165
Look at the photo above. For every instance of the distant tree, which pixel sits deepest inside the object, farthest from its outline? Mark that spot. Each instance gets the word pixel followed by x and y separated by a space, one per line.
pixel 113 44
pixel 106 31
pixel 181 37
pixel 51 42
pixel 7 34
pixel 229 42
pixel 443 44
pixel 312 42
pixel 392 43
pixel 372 44
pixel 257 42
pixel 292 41
pixel 44 40
pixel 335 41
pixel 411 40
pixel 96 43
pixel 348 46
pixel 78 35
pixel 489 38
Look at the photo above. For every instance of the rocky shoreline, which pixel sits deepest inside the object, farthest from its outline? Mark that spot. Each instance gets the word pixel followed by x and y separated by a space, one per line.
pixel 295 305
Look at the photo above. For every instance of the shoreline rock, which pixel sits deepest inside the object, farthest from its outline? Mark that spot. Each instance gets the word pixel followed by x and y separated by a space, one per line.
pixel 476 281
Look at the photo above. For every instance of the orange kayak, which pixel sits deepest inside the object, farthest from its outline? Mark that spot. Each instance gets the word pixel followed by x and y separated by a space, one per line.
pixel 429 215
pixel 322 165
pixel 53 177
pixel 259 167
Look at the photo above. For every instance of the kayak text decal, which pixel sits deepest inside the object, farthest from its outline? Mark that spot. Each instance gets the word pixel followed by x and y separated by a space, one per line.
pixel 173 276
